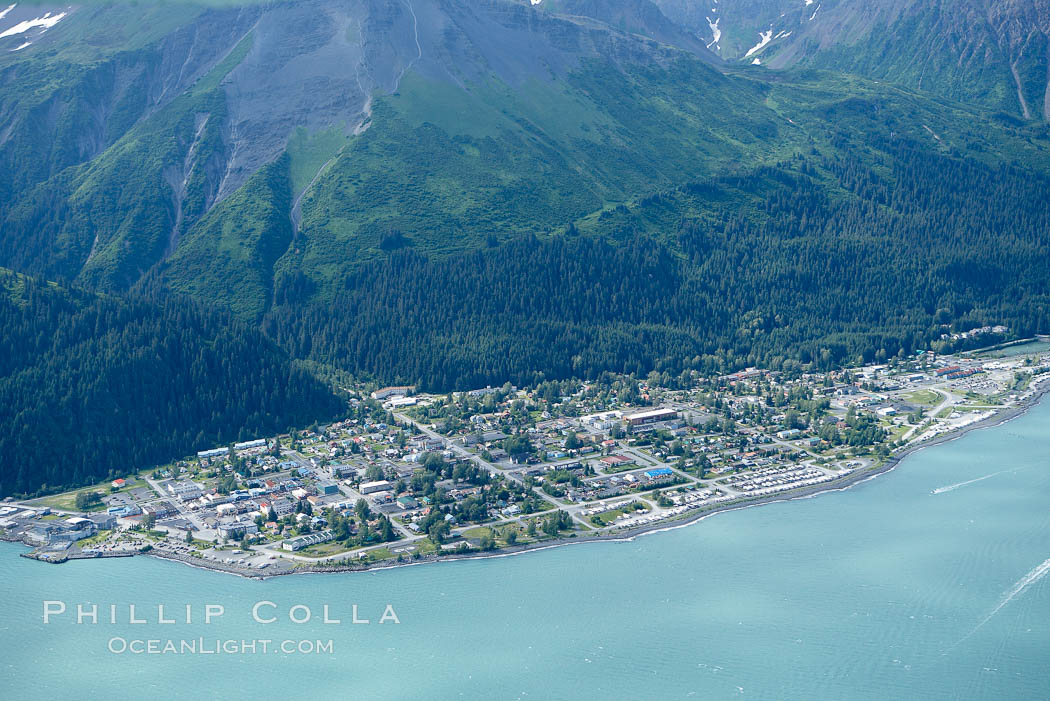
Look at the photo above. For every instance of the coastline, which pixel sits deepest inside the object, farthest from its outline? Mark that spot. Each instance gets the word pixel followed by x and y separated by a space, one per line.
pixel 845 482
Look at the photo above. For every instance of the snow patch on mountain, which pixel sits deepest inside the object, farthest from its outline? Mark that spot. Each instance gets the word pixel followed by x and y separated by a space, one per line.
pixel 766 37
pixel 716 33
pixel 45 22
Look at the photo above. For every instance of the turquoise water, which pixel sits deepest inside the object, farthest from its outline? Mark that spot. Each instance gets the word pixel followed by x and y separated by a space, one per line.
pixel 884 591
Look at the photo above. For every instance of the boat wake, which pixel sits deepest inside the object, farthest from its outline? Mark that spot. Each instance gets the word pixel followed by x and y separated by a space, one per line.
pixel 953 487
pixel 1015 591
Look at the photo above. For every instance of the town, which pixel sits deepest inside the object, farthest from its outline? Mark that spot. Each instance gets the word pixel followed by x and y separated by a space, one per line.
pixel 410 476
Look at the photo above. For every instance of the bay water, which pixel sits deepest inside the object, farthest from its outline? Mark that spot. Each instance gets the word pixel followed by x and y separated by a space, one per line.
pixel 929 582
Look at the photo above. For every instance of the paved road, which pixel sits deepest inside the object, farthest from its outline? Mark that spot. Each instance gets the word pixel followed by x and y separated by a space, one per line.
pixel 201 529
pixel 485 464
pixel 949 400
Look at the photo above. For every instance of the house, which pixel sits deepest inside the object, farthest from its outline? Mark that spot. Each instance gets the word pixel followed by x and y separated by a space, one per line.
pixel 118 483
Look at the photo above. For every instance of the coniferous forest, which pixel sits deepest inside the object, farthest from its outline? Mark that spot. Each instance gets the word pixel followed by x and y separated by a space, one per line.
pixel 820 262
pixel 93 387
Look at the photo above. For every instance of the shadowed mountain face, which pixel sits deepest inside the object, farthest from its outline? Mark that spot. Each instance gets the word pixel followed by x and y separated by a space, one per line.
pixel 989 52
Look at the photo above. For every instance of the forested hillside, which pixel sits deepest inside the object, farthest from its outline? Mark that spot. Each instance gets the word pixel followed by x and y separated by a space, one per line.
pixel 463 192
pixel 814 260
pixel 96 386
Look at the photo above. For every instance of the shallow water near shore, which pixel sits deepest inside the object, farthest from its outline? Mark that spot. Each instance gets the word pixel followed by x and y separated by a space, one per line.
pixel 931 581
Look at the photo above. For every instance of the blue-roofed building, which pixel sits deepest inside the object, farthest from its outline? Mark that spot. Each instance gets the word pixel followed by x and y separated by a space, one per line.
pixel 658 472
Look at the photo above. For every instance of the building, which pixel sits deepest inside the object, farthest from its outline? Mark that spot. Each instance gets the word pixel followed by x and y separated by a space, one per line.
pixel 78 523
pixel 248 445
pixel 658 472
pixel 748 374
pixel 282 507
pixel 341 471
pixel 185 490
pixel 651 417
pixel 160 509
pixel 305 541
pixel 326 488
pixel 104 522
pixel 213 453
pixel 237 528
pixel 225 509
pixel 377 486
pixel 387 392
pixel 615 461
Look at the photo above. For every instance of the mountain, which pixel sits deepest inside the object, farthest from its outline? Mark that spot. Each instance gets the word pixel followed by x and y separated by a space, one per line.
pixel 139 158
pixel 460 192
pixel 987 52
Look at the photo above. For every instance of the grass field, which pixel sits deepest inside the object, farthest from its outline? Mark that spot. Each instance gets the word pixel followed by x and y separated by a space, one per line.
pixel 66 501
pixel 923 397
pixel 610 516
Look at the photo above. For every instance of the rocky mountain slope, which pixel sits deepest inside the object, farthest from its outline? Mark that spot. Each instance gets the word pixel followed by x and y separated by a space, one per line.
pixel 988 52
